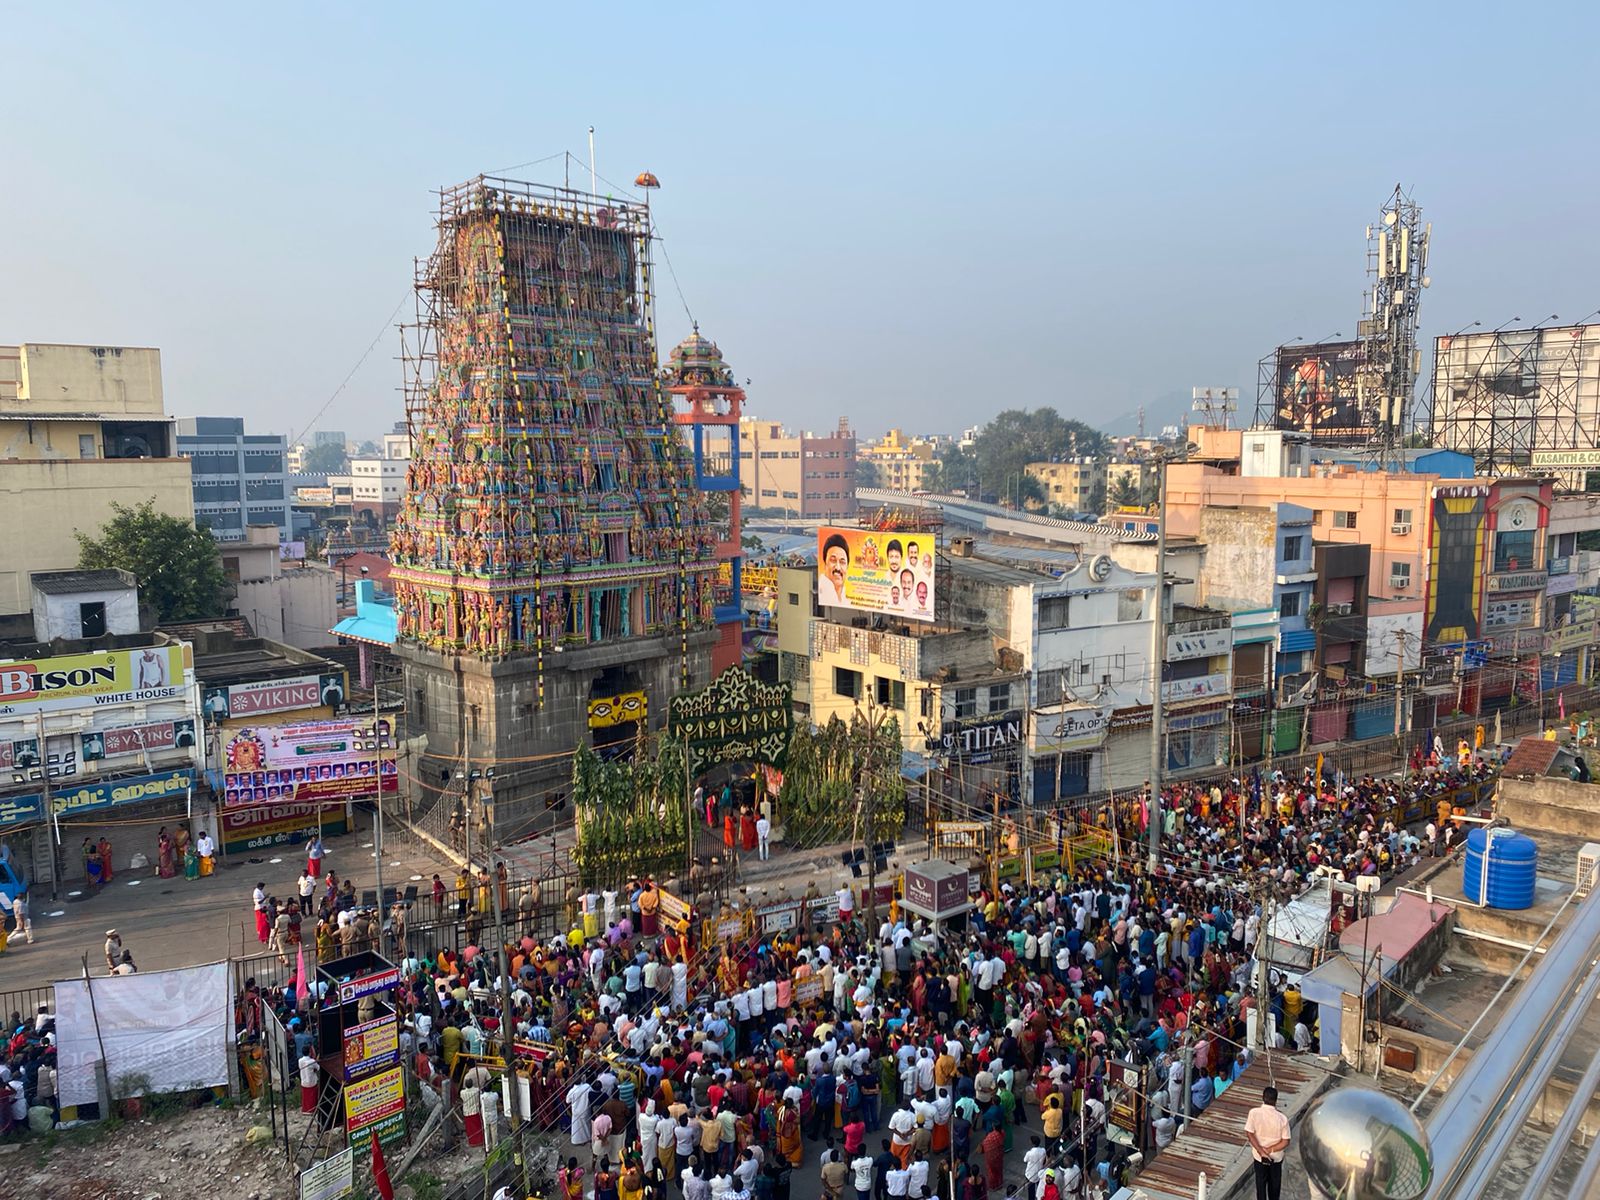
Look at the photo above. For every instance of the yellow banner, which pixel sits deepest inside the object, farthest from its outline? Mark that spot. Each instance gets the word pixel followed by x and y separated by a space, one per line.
pixel 109 677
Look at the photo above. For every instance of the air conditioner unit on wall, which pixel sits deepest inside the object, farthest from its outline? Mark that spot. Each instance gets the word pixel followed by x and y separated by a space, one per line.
pixel 1588 867
pixel 1399 581
pixel 1403 527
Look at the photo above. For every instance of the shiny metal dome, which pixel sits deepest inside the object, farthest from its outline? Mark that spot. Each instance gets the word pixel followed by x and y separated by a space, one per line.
pixel 1357 1143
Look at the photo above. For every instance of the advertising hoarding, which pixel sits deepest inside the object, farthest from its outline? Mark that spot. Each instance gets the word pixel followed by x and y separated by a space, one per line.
pixel 275 695
pixel 91 796
pixel 108 677
pixel 136 739
pixel 331 1178
pixel 1455 579
pixel 311 761
pixel 876 571
pixel 1316 391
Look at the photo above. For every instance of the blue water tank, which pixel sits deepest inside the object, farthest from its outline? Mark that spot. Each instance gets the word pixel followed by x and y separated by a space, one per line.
pixel 1513 866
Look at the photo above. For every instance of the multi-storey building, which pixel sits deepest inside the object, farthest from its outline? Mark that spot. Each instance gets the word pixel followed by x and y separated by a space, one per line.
pixel 240 479
pixel 899 463
pixel 802 475
pixel 82 428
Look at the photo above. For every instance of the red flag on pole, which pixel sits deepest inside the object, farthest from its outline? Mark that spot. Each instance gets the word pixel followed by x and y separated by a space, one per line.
pixel 380 1170
pixel 301 989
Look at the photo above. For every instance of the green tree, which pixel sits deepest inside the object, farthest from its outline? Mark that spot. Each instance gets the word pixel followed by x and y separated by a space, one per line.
pixel 177 566
pixel 1124 492
pixel 1017 437
pixel 325 460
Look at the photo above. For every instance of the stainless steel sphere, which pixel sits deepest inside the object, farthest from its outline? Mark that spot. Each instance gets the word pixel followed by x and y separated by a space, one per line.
pixel 1357 1143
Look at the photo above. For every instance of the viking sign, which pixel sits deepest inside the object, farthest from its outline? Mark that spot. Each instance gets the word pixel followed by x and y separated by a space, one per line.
pixel 736 718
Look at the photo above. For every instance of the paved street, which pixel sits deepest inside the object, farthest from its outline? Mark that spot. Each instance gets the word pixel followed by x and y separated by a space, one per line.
pixel 178 922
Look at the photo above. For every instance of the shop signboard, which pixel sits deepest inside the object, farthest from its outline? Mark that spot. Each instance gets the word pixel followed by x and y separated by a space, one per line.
pixel 277 824
pixel 978 740
pixel 90 797
pixel 103 679
pixel 136 739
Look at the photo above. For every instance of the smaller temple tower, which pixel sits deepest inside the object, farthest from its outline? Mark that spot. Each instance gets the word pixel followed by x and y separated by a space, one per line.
pixel 708 405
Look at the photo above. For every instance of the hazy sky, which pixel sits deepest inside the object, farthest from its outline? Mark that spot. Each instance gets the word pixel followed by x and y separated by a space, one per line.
pixel 913 214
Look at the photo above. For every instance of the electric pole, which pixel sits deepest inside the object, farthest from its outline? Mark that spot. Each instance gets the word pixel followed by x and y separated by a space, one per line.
pixel 1158 654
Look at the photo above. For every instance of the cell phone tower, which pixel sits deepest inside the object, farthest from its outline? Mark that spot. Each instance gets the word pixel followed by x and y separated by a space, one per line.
pixel 1397 267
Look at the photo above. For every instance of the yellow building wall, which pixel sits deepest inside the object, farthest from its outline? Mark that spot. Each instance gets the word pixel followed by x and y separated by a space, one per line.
pixel 109 381
pixel 46 503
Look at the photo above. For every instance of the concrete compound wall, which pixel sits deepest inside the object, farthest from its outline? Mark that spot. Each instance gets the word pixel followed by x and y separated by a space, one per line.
pixel 1551 805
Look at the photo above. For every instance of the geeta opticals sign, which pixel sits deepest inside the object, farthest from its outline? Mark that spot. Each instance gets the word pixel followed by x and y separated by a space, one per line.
pixel 110 677
pixel 876 570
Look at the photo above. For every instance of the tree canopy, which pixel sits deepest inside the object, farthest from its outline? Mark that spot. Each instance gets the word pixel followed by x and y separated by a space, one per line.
pixel 325 460
pixel 995 464
pixel 177 567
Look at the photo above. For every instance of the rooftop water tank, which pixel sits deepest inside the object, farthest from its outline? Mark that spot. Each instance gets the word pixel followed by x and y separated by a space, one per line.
pixel 1500 868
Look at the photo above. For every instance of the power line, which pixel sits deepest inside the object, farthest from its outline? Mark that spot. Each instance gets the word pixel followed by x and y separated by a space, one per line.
pixel 365 354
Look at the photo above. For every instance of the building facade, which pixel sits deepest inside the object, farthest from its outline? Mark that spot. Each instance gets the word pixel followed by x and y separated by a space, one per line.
pixel 240 479
pixel 1077 485
pixel 898 462
pixel 82 428
pixel 90 737
pixel 802 475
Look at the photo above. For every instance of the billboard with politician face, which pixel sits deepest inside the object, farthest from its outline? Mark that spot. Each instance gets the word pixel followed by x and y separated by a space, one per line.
pixel 876 571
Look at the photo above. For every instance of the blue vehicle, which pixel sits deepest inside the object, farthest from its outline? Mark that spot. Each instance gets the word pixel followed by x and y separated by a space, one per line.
pixel 12 885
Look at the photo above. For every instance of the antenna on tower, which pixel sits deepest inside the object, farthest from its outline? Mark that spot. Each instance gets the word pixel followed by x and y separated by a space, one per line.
pixel 1397 270
pixel 1216 406
pixel 1141 422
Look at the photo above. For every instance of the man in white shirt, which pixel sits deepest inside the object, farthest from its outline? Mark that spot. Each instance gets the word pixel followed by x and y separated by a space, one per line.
pixel 861 1174
pixel 1268 1132
pixel 847 905
pixel 763 834
pixel 1033 1163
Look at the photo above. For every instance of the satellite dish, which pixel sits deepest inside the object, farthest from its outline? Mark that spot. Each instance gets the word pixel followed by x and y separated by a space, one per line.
pixel 1100 568
pixel 1427 281
pixel 1390 217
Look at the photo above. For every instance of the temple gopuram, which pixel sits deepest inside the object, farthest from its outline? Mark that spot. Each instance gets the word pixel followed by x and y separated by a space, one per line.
pixel 553 550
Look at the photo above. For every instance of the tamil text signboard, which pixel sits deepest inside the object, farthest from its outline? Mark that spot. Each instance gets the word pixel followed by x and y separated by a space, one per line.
pixel 375 1105
pixel 371 1046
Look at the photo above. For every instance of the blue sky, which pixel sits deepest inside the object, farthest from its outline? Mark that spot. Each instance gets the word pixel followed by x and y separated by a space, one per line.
pixel 911 214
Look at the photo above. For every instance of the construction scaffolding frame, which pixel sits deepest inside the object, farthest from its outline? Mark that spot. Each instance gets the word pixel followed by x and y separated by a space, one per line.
pixel 548 500
pixel 1511 397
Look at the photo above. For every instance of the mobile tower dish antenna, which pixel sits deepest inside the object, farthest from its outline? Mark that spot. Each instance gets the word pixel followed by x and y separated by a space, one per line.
pixel 1397 271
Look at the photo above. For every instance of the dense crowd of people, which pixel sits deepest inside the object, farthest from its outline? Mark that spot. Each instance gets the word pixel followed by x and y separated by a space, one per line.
pixel 894 1060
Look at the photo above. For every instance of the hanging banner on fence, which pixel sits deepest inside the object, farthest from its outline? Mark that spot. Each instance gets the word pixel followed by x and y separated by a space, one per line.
pixel 673 909
pixel 778 917
pixel 371 1046
pixel 375 1106
pixel 331 1178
